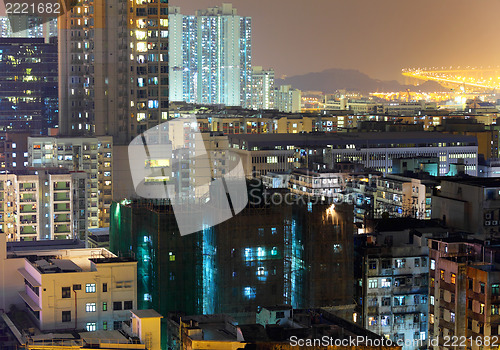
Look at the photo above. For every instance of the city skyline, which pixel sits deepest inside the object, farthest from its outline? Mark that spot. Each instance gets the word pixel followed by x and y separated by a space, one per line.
pixel 372 37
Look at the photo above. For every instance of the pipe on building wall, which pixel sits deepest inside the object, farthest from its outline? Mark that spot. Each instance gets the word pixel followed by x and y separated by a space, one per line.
pixel 76 310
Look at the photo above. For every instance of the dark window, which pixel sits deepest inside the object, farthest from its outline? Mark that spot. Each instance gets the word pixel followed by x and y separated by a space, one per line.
pixel 117 325
pixel 482 288
pixel 117 305
pixel 66 292
pixel 372 265
pixel 280 314
pixel 104 287
pixel 469 304
pixel 471 284
pixel 127 305
pixel 66 316
pixel 77 287
pixel 469 323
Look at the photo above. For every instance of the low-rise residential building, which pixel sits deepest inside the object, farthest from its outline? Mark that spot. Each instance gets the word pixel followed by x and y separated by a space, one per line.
pixel 323 184
pixel 61 288
pixel 275 328
pixel 142 331
pixel 469 204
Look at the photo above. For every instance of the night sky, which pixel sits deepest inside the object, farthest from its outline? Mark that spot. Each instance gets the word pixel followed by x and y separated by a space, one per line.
pixel 377 37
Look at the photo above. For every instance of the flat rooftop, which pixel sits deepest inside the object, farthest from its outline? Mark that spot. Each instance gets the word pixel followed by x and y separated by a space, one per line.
pixel 475 181
pixel 362 139
pixel 33 246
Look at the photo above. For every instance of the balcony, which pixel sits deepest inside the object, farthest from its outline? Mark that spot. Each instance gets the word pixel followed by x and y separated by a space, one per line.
pixel 405 309
pixel 28 220
pixel 61 186
pixel 61 197
pixel 27 209
pixel 28 198
pixel 28 230
pixel 58 229
pixel 61 208
pixel 62 218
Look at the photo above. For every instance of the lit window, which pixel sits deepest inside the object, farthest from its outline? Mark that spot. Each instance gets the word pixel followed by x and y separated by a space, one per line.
pixel 171 256
pixel 249 292
pixel 453 278
pixel 90 288
pixel 386 282
pixel 372 283
pixel 90 307
pixel 90 327
pixel 433 264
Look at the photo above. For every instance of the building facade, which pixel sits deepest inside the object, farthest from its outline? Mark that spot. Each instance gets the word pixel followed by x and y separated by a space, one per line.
pixel 262 88
pixel 282 152
pixel 464 294
pixel 395 293
pixel 287 99
pixel 64 287
pixel 92 155
pixel 43 204
pixel 283 254
pixel 29 80
pixel 113 68
pixel 211 57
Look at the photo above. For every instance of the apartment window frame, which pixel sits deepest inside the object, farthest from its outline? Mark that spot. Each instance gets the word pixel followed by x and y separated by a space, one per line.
pixel 65 292
pixel 66 316
pixel 90 307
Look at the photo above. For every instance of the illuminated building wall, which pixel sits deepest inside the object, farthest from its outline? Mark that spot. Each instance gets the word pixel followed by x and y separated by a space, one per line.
pixel 93 155
pixel 262 88
pixel 28 76
pixel 211 56
pixel 24 26
pixel 114 68
pixel 299 255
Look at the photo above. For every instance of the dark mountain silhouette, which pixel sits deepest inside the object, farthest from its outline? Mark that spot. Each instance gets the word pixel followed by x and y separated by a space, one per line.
pixel 334 79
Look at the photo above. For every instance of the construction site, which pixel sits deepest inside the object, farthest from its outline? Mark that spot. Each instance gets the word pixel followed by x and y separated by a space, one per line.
pixel 299 255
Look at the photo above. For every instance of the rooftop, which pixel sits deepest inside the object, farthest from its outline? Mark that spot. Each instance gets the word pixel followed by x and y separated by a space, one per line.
pixel 360 139
pixel 475 181
pixel 146 313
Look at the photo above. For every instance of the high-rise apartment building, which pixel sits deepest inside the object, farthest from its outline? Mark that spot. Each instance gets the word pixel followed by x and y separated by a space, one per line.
pixel 25 26
pixel 210 57
pixel 93 155
pixel 28 80
pixel 262 88
pixel 43 204
pixel 287 99
pixel 113 68
pixel 464 294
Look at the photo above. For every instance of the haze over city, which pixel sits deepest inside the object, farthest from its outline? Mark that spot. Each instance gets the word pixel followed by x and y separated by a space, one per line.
pixel 378 38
